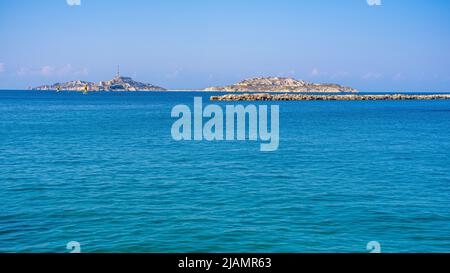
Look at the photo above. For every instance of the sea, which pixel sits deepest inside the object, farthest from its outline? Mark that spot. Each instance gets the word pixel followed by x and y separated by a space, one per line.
pixel 103 170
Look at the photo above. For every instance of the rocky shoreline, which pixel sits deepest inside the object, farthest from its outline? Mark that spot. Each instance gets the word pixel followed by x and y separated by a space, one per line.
pixel 298 97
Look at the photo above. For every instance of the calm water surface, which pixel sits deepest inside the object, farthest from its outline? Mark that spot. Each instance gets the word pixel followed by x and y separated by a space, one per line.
pixel 102 169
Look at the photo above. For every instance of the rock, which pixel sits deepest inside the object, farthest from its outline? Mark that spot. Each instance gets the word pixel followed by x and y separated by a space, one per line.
pixel 72 86
pixel 278 84
pixel 116 84
pixel 127 84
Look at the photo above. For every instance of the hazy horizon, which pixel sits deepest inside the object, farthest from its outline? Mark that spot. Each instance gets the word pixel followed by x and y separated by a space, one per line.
pixel 398 45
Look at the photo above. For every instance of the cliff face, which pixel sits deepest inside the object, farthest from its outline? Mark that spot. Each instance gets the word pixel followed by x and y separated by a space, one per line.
pixel 277 84
pixel 116 84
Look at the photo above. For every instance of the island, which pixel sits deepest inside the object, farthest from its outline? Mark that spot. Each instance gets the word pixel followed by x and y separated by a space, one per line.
pixel 118 83
pixel 280 84
pixel 301 97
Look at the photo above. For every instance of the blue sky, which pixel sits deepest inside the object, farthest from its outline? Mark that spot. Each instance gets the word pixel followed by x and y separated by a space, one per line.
pixel 398 45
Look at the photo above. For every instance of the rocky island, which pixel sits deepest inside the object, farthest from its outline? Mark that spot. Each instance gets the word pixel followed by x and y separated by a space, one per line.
pixel 294 97
pixel 118 83
pixel 279 84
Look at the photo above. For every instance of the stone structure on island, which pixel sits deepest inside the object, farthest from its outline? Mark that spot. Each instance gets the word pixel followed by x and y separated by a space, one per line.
pixel 279 84
pixel 127 84
pixel 118 83
pixel 69 86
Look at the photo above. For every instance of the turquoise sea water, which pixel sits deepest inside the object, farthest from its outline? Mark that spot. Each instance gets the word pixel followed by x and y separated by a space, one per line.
pixel 102 169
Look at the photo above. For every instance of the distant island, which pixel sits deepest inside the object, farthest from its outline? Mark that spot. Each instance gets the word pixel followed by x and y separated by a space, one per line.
pixel 118 83
pixel 280 84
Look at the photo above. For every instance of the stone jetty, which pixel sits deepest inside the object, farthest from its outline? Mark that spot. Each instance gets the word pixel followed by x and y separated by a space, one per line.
pixel 297 97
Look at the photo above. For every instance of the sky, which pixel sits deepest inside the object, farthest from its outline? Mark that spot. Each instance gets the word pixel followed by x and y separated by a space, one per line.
pixel 371 45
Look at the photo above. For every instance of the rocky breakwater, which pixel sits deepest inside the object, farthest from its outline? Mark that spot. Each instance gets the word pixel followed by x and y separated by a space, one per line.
pixel 297 97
